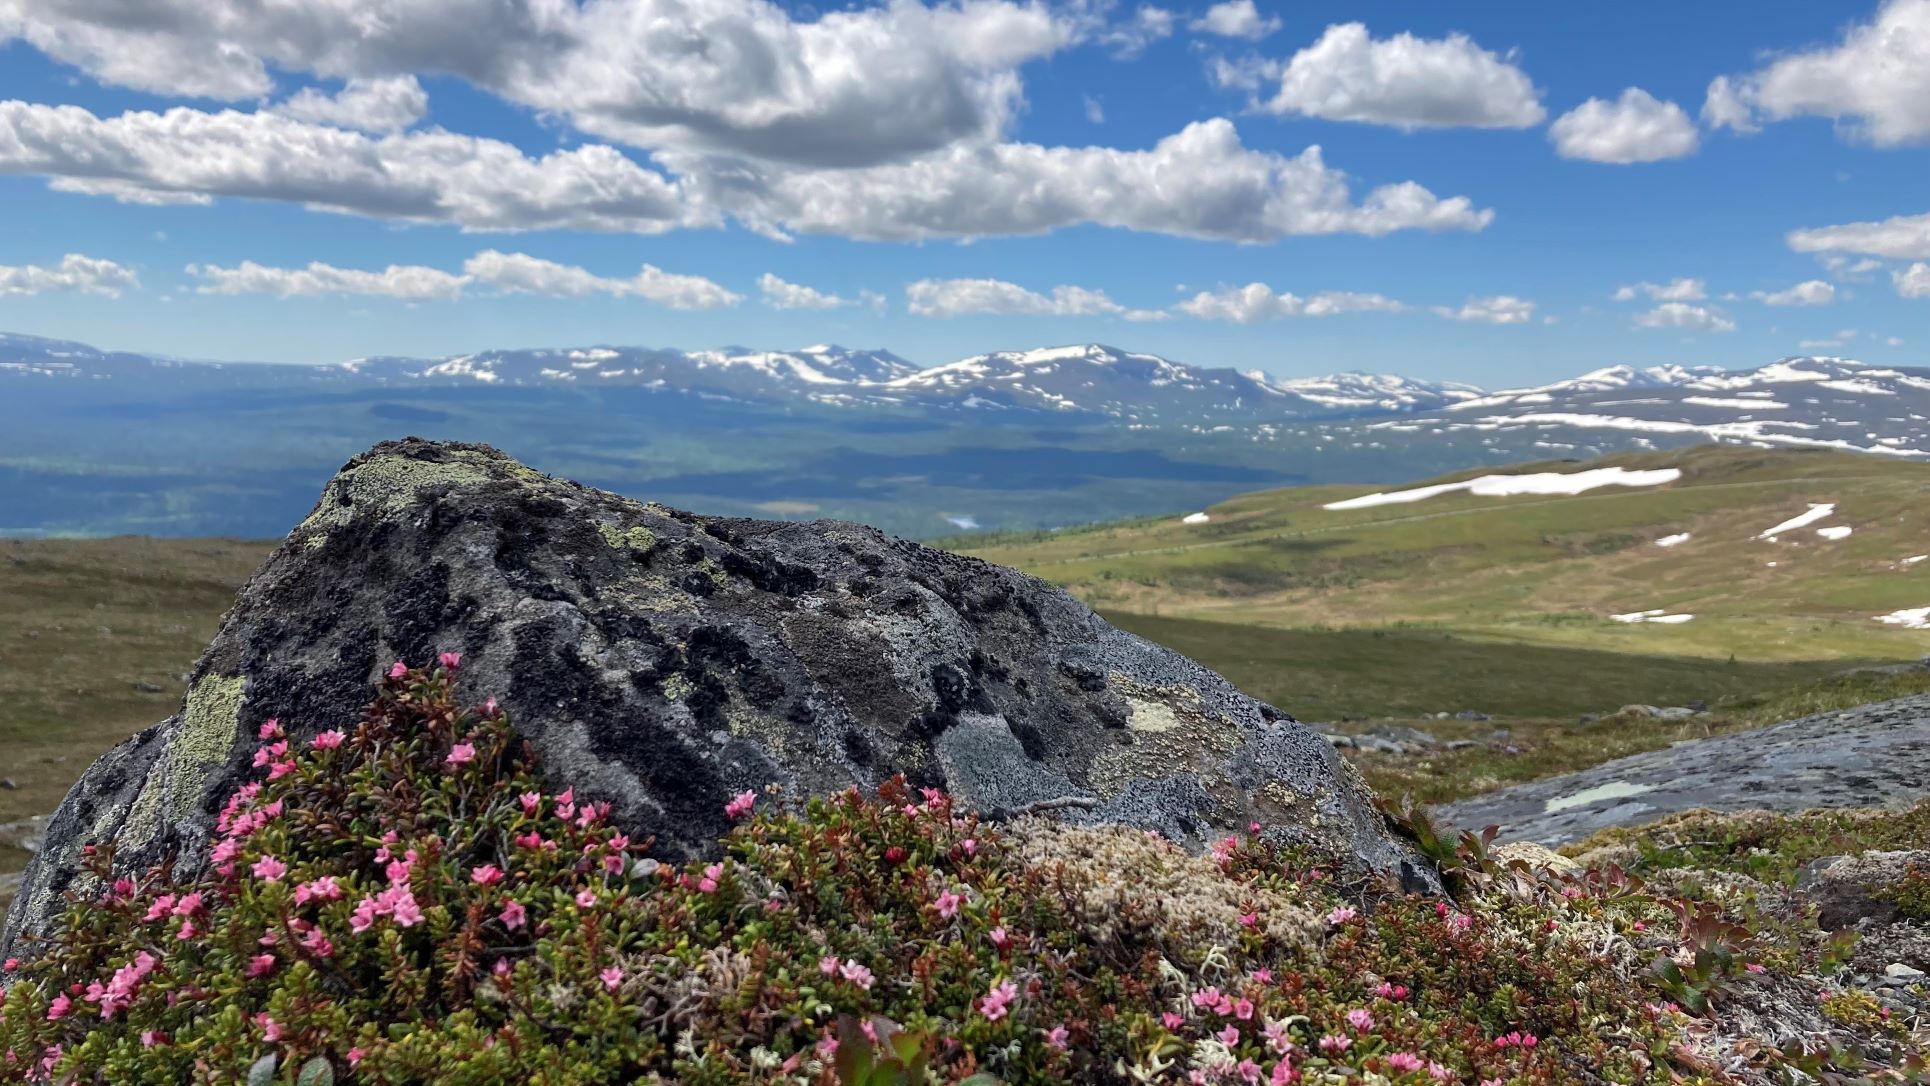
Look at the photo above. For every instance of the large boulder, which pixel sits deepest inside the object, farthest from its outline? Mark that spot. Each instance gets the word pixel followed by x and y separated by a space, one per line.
pixel 664 661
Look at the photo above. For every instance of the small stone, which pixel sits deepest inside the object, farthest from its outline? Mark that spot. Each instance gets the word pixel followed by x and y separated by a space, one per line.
pixel 1338 740
pixel 146 687
pixel 1904 973
pixel 1461 744
pixel 1470 714
pixel 9 783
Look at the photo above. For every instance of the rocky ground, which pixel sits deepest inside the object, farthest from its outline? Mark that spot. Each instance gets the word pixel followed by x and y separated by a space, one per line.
pixel 1873 756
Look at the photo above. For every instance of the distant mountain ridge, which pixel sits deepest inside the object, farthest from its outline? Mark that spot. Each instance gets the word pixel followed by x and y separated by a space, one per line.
pixel 1103 380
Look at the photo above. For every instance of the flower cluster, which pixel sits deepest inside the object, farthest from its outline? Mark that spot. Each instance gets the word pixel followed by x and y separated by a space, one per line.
pixel 409 901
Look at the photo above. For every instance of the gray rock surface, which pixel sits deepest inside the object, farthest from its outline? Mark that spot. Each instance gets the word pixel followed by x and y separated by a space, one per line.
pixel 1865 757
pixel 664 661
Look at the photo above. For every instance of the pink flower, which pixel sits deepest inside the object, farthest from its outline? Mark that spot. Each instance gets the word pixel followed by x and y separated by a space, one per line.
pixel 708 884
pixel 270 1029
pixel 1342 914
pixel 1250 920
pixel 856 974
pixel 1334 1043
pixel 59 1008
pixel 318 944
pixel 461 754
pixel 1264 976
pixel 322 889
pixel 188 904
pixel 261 965
pixel 151 1038
pixel 1278 1038
pixel 1230 1035
pixel 1055 1038
pixel 1249 1071
pixel 490 707
pixel 188 931
pixel 1404 1061
pixel 328 740
pixel 400 669
pixel 486 875
pixel 407 913
pixel 1361 1019
pixel 270 729
pixel 566 803
pixel 585 898
pixel 532 803
pixel 161 907
pixel 993 1005
pixel 970 845
pixel 513 915
pixel 355 1056
pixel 828 965
pixel 612 978
pixel 1754 967
pixel 1171 1020
pixel 281 769
pixel 269 869
pixel 1439 1073
pixel 1243 1009
pixel 948 904
pixel 740 805
pixel 451 660
pixel 1461 922
pixel 999 937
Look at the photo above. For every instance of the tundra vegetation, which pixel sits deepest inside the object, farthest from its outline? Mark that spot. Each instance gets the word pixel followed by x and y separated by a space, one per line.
pixel 403 898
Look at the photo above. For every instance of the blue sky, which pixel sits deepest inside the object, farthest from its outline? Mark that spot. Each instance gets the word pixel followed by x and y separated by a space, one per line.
pixel 978 176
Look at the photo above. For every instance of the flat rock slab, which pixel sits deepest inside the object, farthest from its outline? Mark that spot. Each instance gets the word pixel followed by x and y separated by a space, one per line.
pixel 1870 756
pixel 663 661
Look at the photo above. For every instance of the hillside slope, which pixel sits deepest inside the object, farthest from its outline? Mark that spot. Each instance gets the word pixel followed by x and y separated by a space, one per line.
pixel 1693 560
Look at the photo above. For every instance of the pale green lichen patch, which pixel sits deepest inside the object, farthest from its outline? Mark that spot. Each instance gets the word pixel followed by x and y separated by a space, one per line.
pixel 392 482
pixel 1173 732
pixel 210 722
pixel 677 688
pixel 639 539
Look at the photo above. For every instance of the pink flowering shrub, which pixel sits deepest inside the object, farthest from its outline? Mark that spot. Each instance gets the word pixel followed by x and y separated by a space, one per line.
pixel 407 901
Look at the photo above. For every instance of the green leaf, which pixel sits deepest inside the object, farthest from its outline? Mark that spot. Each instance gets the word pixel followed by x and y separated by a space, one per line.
pixel 316 1072
pixel 983 1078
pixel 263 1072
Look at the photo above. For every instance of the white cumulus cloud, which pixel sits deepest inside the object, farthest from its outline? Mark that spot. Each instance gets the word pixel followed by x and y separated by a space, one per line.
pixel 1257 302
pixel 1874 82
pixel 368 105
pixel 962 297
pixel 75 274
pixel 1495 309
pixel 1236 19
pixel 1675 290
pixel 1913 281
pixel 1690 318
pixel 406 282
pixel 1637 127
pixel 1902 237
pixel 1201 182
pixel 520 273
pixel 1131 37
pixel 431 176
pixel 507 273
pixel 1405 81
pixel 1808 292
pixel 781 294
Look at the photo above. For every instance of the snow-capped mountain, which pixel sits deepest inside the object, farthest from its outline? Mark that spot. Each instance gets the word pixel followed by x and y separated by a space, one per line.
pixel 1374 392
pixel 1814 401
pixel 1802 401
pixel 730 371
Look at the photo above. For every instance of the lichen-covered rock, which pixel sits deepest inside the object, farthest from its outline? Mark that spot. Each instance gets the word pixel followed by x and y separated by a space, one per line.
pixel 1848 890
pixel 664 661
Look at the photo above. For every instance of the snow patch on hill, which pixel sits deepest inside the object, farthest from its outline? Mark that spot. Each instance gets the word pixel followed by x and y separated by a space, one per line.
pixel 1503 486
